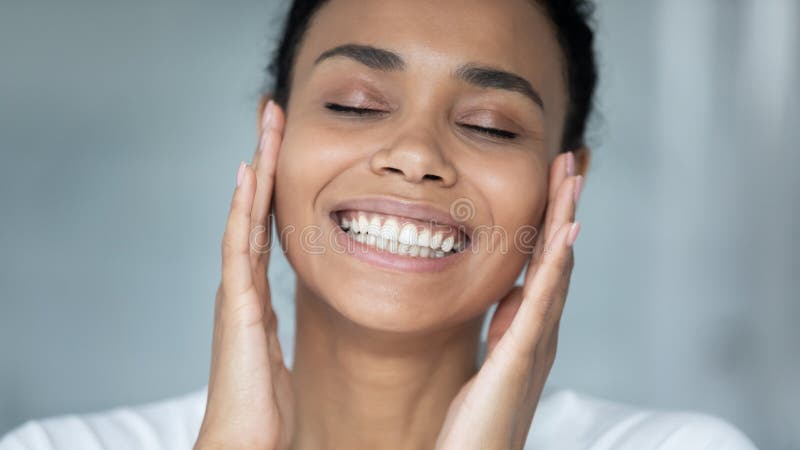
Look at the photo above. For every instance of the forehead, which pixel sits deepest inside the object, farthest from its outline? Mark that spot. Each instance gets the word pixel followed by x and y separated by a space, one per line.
pixel 436 36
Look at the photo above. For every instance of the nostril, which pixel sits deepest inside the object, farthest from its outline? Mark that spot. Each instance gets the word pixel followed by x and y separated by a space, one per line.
pixel 427 176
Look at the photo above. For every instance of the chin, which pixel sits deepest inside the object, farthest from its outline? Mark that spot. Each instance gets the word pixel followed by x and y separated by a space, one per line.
pixel 387 302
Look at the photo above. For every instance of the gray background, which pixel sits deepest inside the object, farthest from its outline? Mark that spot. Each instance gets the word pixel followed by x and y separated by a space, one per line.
pixel 121 126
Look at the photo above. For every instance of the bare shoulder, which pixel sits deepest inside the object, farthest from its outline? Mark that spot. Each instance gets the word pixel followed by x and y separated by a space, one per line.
pixel 170 423
pixel 566 419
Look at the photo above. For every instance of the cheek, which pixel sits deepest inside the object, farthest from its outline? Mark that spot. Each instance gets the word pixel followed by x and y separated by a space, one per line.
pixel 517 201
pixel 518 196
pixel 515 191
pixel 308 160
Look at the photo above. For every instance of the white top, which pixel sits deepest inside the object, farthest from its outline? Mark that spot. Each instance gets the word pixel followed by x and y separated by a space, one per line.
pixel 564 420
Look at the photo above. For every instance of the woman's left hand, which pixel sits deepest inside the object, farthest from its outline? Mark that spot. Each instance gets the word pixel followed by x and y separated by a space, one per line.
pixel 495 407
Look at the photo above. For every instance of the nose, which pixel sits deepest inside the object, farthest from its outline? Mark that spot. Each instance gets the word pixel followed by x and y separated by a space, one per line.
pixel 417 158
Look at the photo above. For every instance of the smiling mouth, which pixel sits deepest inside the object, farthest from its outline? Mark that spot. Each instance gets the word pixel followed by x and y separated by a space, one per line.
pixel 401 235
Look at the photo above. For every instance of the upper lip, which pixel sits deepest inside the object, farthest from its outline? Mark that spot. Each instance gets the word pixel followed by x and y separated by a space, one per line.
pixel 406 208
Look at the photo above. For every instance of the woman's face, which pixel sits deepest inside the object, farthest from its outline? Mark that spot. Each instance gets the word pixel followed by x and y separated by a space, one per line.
pixel 437 75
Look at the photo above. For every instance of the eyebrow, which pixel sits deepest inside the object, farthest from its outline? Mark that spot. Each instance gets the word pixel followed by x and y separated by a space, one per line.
pixel 476 74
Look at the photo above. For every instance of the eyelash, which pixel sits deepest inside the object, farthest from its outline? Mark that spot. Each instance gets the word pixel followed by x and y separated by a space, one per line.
pixel 494 132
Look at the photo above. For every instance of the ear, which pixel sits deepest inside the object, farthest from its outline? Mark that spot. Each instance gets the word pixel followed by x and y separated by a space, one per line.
pixel 262 104
pixel 582 160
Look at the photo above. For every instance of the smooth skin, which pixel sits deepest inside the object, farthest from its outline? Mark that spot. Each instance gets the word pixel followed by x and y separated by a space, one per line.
pixel 250 401
pixel 383 359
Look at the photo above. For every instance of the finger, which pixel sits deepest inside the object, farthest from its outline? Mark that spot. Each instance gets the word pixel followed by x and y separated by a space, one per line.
pixel 502 317
pixel 563 210
pixel 544 293
pixel 236 274
pixel 551 326
pixel 560 171
pixel 274 347
pixel 264 164
pixel 549 346
pixel 265 158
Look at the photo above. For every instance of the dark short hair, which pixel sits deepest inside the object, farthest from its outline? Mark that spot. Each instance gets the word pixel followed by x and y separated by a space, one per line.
pixel 571 19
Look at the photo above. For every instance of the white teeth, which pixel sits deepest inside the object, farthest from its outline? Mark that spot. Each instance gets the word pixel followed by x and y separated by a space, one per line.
pixel 436 240
pixel 408 235
pixel 424 238
pixel 374 227
pixel 408 240
pixel 390 230
pixel 396 247
pixel 447 244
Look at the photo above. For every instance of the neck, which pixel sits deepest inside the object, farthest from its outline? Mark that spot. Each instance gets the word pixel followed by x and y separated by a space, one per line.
pixel 363 388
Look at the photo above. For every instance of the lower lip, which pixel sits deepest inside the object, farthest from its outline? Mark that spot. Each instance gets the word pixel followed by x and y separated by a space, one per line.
pixel 387 260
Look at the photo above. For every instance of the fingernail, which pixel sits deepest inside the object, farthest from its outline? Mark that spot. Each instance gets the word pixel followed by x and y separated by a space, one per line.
pixel 573 233
pixel 578 187
pixel 267 120
pixel 570 164
pixel 240 174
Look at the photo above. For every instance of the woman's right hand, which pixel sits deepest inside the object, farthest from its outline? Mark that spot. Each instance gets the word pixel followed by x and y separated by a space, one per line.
pixel 250 402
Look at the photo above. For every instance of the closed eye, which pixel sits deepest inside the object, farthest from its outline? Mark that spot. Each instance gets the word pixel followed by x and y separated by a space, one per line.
pixel 351 110
pixel 496 132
